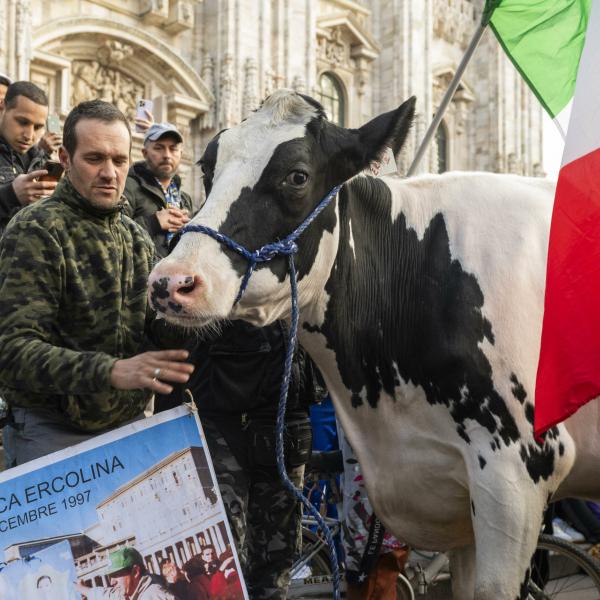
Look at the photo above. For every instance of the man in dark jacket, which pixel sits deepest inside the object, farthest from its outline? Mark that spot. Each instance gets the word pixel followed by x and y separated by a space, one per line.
pixel 153 189
pixel 21 126
pixel 236 386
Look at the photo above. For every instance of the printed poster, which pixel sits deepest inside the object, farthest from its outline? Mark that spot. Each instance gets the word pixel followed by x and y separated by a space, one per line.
pixel 136 511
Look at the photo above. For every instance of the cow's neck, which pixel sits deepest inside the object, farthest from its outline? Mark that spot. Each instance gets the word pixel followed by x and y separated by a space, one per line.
pixel 400 309
pixel 373 318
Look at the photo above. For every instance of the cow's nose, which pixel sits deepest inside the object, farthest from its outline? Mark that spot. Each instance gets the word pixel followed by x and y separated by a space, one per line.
pixel 174 292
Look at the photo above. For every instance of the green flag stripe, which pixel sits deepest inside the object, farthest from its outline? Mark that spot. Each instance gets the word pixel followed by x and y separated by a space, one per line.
pixel 544 40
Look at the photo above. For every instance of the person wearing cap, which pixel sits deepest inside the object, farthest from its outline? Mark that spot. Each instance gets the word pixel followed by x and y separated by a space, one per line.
pixel 129 580
pixel 153 188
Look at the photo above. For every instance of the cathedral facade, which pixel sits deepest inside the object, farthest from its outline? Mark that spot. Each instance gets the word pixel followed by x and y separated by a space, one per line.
pixel 207 63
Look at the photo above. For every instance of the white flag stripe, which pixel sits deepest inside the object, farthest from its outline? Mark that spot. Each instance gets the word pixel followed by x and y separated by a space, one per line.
pixel 561 120
pixel 583 135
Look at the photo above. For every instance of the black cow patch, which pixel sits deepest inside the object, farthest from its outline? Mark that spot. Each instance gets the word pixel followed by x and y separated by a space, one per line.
pixel 482 462
pixel 517 389
pixel 400 302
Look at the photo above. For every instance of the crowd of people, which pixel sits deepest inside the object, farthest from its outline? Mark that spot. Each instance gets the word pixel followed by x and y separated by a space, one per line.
pixel 205 576
pixel 82 354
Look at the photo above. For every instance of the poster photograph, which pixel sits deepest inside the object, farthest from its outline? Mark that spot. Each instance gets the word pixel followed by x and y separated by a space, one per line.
pixel 135 512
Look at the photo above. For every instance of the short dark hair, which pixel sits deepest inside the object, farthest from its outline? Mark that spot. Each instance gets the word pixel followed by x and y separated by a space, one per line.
pixel 40 579
pixel 93 109
pixel 4 80
pixel 26 89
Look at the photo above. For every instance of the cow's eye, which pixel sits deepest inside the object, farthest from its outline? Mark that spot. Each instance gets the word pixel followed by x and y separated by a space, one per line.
pixel 297 178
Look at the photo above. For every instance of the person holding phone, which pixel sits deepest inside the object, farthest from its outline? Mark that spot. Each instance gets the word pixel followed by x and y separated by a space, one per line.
pixel 22 122
pixel 51 140
pixel 153 191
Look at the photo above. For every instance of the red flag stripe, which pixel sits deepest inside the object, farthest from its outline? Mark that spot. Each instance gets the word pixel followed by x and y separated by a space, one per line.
pixel 569 367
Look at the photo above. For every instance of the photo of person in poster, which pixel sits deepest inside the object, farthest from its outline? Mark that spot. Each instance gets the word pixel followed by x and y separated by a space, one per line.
pixel 44 575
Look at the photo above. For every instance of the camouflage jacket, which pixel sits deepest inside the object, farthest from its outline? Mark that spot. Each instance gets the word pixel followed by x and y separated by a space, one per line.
pixel 72 301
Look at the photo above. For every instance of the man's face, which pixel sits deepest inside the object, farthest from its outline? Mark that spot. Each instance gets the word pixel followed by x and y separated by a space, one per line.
pixel 208 555
pixel 163 156
pixel 169 571
pixel 98 167
pixel 3 89
pixel 126 582
pixel 23 125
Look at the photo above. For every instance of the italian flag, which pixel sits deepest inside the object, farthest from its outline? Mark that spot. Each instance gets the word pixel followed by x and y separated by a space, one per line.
pixel 548 42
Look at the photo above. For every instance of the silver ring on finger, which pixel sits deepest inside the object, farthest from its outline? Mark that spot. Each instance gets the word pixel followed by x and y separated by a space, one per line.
pixel 156 373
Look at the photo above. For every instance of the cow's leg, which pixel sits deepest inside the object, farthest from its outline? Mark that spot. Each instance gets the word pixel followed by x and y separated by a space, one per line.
pixel 462 570
pixel 507 516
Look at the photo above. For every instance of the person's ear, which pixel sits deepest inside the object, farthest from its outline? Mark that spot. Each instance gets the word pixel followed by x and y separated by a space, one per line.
pixel 144 152
pixel 64 158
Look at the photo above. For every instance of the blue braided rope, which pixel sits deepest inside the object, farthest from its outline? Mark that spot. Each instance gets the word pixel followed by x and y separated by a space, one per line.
pixel 286 247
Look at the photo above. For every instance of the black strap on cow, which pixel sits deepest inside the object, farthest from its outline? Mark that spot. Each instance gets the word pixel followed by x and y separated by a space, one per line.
pixel 370 555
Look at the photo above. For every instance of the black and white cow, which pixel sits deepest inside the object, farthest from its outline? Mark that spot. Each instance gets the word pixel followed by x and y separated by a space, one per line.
pixel 421 302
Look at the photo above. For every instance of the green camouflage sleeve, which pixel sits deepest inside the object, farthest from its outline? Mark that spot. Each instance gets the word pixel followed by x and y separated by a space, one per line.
pixel 31 284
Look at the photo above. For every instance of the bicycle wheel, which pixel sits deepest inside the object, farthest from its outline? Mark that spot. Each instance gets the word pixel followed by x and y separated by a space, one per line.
pixel 562 571
pixel 313 564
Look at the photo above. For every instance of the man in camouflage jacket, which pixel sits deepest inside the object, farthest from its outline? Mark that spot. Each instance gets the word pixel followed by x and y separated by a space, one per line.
pixel 73 274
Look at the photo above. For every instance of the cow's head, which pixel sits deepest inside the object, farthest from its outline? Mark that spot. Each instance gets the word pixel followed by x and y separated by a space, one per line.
pixel 262 178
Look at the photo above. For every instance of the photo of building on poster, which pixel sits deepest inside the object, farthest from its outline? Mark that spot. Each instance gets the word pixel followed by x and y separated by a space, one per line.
pixel 134 511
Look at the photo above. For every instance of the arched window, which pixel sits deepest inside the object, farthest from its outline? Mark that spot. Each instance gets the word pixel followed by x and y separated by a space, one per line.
pixel 331 96
pixel 441 139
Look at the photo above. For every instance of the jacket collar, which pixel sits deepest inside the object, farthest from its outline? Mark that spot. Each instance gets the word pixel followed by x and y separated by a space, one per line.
pixel 7 149
pixel 144 174
pixel 65 192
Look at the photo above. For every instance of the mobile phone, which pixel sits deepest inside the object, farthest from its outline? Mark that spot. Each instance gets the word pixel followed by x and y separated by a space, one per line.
pixel 53 124
pixel 140 111
pixel 54 169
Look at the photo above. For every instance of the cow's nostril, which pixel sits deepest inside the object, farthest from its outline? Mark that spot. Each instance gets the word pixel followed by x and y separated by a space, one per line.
pixel 187 286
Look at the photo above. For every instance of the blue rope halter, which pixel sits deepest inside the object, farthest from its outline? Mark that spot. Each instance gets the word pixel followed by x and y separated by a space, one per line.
pixel 286 247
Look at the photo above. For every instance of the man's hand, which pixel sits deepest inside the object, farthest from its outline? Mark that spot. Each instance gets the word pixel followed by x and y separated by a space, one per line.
pixel 50 142
pixel 28 190
pixel 172 219
pixel 150 370
pixel 142 125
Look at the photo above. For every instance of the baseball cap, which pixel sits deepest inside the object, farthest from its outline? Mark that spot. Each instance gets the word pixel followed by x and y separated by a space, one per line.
pixel 123 560
pixel 5 79
pixel 157 130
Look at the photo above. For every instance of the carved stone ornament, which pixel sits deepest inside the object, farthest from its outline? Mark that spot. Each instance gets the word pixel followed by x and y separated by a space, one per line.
pixel 299 85
pixel 208 76
pixel 227 98
pixel 91 80
pixel 251 98
pixel 113 52
pixel 333 50
pixel 154 12
pixel 454 20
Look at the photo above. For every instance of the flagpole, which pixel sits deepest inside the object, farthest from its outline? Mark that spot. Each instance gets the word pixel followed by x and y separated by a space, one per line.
pixel 441 111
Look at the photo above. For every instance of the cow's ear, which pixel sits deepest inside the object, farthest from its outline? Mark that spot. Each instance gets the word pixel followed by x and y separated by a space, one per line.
pixel 388 130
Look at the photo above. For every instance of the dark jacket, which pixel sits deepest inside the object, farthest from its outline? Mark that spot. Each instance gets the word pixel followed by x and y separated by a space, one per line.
pixel 145 197
pixel 12 164
pixel 236 385
pixel 239 372
pixel 72 301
